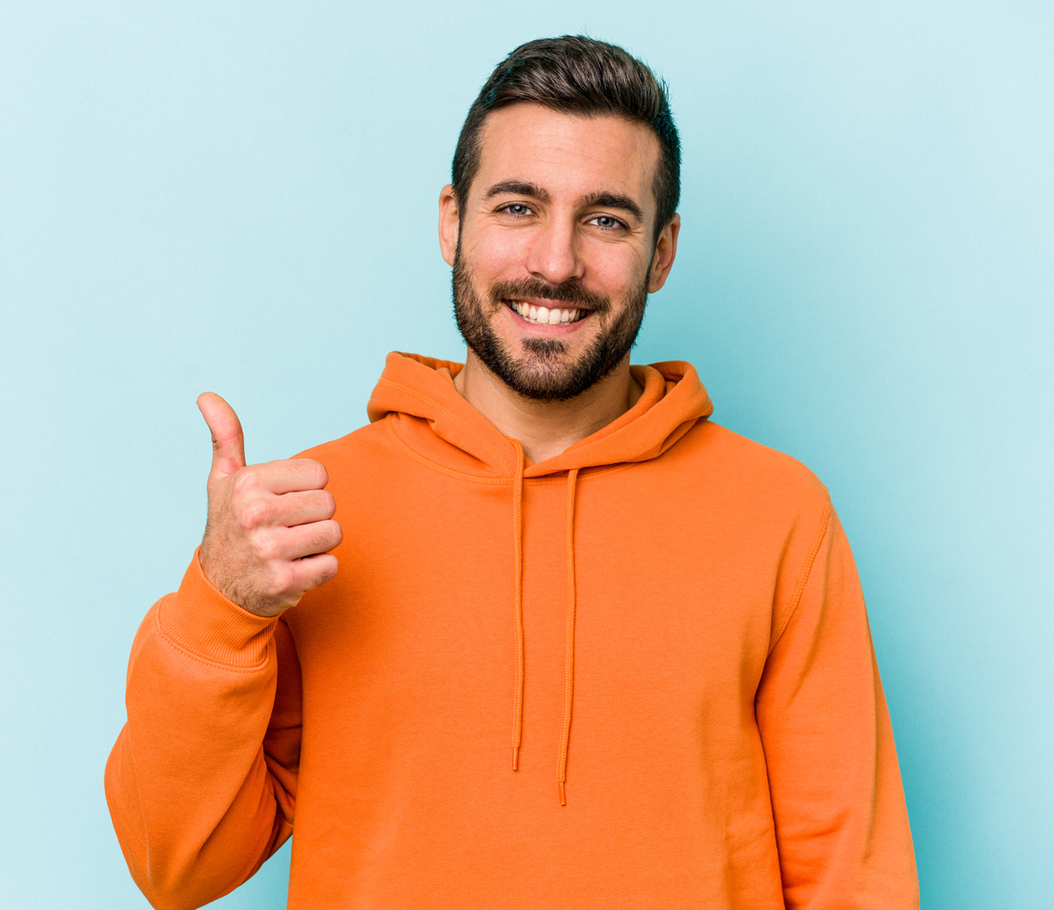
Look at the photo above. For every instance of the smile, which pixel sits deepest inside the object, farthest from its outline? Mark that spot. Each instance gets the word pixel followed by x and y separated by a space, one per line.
pixel 541 315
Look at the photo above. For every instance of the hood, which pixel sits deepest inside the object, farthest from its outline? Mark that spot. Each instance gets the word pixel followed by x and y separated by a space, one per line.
pixel 442 428
pixel 458 436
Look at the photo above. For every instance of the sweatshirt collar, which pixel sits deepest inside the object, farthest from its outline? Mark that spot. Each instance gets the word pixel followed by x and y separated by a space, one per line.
pixel 423 388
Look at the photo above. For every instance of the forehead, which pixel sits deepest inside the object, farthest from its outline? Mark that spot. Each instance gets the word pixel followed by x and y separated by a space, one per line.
pixel 567 153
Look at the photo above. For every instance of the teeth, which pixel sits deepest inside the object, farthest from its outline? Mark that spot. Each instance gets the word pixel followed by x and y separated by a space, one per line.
pixel 541 315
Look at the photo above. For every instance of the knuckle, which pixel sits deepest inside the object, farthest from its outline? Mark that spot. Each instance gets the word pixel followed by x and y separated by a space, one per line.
pixel 321 476
pixel 244 481
pixel 327 569
pixel 265 548
pixel 326 536
pixel 284 580
pixel 254 514
pixel 337 533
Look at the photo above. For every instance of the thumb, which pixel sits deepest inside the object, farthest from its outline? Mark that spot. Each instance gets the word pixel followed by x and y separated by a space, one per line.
pixel 228 443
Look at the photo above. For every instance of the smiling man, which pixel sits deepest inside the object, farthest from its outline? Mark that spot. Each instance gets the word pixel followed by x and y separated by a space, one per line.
pixel 555 242
pixel 576 226
pixel 545 554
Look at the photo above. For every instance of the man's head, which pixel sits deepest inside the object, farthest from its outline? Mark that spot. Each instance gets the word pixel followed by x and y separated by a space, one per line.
pixel 581 76
pixel 562 216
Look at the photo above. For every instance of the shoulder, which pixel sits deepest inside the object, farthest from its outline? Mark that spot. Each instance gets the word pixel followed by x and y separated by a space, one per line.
pixel 742 483
pixel 356 460
pixel 741 461
pixel 355 444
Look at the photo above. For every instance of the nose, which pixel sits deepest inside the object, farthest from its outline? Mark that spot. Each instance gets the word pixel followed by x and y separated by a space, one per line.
pixel 553 254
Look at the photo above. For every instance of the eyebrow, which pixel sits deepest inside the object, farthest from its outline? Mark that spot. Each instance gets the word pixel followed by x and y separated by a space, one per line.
pixel 602 198
pixel 517 188
pixel 613 201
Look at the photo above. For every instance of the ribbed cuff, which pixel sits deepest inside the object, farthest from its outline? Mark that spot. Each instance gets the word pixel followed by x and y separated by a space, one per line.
pixel 201 620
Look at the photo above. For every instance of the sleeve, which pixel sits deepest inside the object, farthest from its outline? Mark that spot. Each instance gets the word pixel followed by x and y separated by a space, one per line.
pixel 838 804
pixel 202 779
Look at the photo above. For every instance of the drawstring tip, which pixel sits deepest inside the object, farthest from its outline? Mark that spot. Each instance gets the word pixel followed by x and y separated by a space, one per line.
pixel 563 793
pixel 515 758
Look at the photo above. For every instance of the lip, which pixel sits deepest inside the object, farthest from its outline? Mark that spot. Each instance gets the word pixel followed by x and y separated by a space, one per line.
pixel 558 329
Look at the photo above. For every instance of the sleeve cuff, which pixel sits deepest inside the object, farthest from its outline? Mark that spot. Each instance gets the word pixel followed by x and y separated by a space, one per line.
pixel 199 619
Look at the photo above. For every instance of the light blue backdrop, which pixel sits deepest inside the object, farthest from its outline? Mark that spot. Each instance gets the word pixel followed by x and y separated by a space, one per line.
pixel 241 196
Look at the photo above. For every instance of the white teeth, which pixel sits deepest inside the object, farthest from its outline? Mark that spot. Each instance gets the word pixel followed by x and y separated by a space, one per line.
pixel 541 315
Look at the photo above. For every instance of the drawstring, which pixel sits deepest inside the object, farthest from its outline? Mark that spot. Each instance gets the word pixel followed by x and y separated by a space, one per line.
pixel 569 637
pixel 569 641
pixel 517 530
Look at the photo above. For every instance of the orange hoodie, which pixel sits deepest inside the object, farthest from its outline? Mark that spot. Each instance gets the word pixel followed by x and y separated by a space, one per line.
pixel 635 675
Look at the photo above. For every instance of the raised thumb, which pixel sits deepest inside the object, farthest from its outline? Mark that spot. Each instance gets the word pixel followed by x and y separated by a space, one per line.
pixel 228 443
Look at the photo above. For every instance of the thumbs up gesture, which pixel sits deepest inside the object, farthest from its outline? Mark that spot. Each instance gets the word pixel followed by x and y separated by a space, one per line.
pixel 270 526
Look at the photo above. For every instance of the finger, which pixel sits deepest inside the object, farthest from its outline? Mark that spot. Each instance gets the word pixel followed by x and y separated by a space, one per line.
pixel 313 571
pixel 294 509
pixel 228 442
pixel 311 539
pixel 292 475
pixel 288 510
pixel 290 581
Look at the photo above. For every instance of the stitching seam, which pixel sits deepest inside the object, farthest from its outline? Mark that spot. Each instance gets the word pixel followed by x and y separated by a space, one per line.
pixel 449 472
pixel 426 400
pixel 206 661
pixel 806 571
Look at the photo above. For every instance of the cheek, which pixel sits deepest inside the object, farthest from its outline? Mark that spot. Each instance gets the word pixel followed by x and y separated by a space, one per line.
pixel 494 253
pixel 617 274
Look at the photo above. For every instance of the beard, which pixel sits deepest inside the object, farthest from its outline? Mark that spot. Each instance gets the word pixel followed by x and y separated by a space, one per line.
pixel 545 371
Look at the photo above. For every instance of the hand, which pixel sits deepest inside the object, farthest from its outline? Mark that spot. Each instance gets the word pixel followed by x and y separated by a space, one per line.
pixel 270 526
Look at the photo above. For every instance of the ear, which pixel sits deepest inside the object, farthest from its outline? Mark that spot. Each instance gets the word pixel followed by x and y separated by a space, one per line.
pixel 665 251
pixel 448 223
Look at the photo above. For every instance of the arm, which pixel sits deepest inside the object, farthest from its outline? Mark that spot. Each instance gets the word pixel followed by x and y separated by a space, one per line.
pixel 841 822
pixel 201 782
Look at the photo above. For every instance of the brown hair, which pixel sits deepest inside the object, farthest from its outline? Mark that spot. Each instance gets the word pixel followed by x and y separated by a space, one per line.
pixel 576 75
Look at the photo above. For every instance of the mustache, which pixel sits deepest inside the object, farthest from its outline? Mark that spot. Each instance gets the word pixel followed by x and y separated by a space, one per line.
pixel 568 293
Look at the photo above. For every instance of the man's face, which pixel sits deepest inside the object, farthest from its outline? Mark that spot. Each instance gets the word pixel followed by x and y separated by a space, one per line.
pixel 554 255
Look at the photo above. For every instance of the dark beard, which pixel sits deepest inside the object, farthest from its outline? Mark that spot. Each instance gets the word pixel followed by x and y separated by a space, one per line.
pixel 542 374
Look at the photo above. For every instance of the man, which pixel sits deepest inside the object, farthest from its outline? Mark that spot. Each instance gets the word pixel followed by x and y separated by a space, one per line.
pixel 585 648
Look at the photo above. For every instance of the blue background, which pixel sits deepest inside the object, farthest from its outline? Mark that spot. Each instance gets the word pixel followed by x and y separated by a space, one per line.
pixel 242 197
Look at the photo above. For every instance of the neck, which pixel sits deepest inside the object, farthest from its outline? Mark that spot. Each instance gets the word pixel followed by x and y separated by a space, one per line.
pixel 546 428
